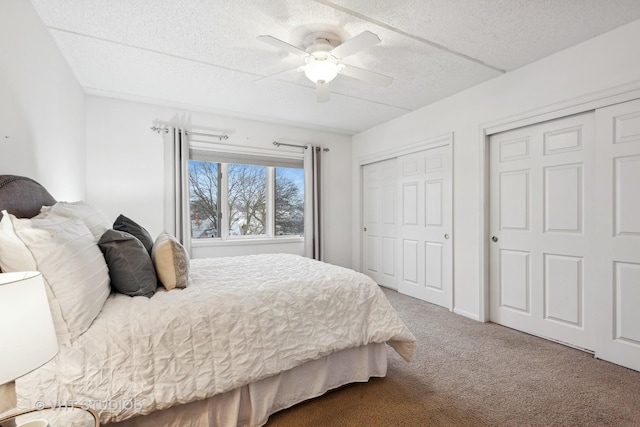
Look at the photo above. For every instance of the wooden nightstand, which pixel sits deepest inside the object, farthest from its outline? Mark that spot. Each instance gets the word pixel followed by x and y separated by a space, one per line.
pixel 69 416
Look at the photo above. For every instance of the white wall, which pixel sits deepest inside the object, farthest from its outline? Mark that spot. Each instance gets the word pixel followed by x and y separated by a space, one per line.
pixel 600 64
pixel 41 105
pixel 125 166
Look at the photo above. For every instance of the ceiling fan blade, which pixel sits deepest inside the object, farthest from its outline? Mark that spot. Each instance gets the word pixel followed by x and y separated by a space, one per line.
pixel 322 92
pixel 366 75
pixel 356 44
pixel 279 73
pixel 282 45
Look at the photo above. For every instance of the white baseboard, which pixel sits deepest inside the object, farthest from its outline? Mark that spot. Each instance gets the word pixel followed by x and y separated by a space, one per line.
pixel 467 314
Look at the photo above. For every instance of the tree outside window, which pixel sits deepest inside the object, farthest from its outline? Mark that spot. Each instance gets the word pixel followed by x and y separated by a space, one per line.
pixel 204 189
pixel 247 199
pixel 289 202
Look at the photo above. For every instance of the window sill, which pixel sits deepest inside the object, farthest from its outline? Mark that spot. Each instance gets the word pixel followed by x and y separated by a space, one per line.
pixel 245 241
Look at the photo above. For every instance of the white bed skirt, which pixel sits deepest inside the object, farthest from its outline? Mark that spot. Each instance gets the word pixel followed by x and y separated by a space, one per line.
pixel 252 404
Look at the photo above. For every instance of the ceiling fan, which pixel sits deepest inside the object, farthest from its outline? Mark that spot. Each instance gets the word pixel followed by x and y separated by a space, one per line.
pixel 323 55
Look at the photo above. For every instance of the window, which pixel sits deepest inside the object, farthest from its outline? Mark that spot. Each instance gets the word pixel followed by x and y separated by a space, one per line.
pixel 247 200
pixel 204 196
pixel 232 196
pixel 289 201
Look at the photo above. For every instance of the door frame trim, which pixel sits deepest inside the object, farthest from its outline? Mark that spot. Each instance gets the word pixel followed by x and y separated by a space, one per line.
pixel 577 105
pixel 446 139
pixel 414 147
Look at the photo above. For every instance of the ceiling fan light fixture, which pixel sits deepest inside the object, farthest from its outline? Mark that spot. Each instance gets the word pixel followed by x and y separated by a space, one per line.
pixel 322 68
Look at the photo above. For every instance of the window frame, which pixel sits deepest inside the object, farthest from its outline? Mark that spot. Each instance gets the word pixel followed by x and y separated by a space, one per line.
pixel 244 152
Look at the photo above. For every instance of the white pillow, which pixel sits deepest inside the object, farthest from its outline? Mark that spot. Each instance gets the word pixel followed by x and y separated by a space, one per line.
pixel 73 267
pixel 14 255
pixel 96 221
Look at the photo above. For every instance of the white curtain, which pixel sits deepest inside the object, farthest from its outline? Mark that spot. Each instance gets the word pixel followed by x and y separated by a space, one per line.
pixel 313 218
pixel 179 221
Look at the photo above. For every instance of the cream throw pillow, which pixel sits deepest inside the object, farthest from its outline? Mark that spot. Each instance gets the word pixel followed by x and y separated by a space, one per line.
pixel 171 262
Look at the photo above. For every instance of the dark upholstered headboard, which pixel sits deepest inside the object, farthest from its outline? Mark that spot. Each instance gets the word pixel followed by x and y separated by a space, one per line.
pixel 23 197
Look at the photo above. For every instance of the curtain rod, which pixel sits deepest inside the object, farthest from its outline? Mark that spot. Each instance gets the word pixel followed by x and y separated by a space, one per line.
pixel 221 137
pixel 166 130
pixel 278 144
pixel 225 137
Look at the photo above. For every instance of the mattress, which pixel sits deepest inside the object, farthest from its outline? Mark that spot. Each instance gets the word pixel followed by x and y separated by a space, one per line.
pixel 240 320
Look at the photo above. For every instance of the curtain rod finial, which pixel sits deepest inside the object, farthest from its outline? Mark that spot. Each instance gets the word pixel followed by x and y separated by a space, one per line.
pixel 159 129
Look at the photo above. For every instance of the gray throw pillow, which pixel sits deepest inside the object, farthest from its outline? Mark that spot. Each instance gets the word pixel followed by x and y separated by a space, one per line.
pixel 128 225
pixel 130 266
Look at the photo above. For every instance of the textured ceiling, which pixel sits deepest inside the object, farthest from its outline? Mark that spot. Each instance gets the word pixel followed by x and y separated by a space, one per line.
pixel 204 54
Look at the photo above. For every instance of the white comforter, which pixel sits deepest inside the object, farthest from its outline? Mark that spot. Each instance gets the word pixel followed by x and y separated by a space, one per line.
pixel 239 320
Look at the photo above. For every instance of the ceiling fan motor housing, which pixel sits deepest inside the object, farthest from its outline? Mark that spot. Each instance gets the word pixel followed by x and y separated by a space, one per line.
pixel 324 41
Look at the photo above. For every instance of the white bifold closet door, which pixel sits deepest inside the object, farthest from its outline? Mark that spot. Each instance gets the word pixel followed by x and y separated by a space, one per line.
pixel 542 258
pixel 407 218
pixel 425 216
pixel 379 218
pixel 618 233
pixel 565 225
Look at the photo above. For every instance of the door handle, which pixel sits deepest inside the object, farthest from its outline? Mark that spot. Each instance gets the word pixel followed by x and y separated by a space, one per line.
pixel 446 236
pixel 494 239
pixel 365 229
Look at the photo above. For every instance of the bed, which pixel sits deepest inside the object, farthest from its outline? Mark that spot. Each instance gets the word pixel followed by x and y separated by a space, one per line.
pixel 247 337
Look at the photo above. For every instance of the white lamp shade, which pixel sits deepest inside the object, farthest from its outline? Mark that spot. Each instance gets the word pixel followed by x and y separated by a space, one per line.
pixel 320 71
pixel 26 327
pixel 321 68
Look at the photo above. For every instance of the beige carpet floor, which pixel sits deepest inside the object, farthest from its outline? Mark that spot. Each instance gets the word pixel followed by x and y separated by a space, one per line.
pixel 467 373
